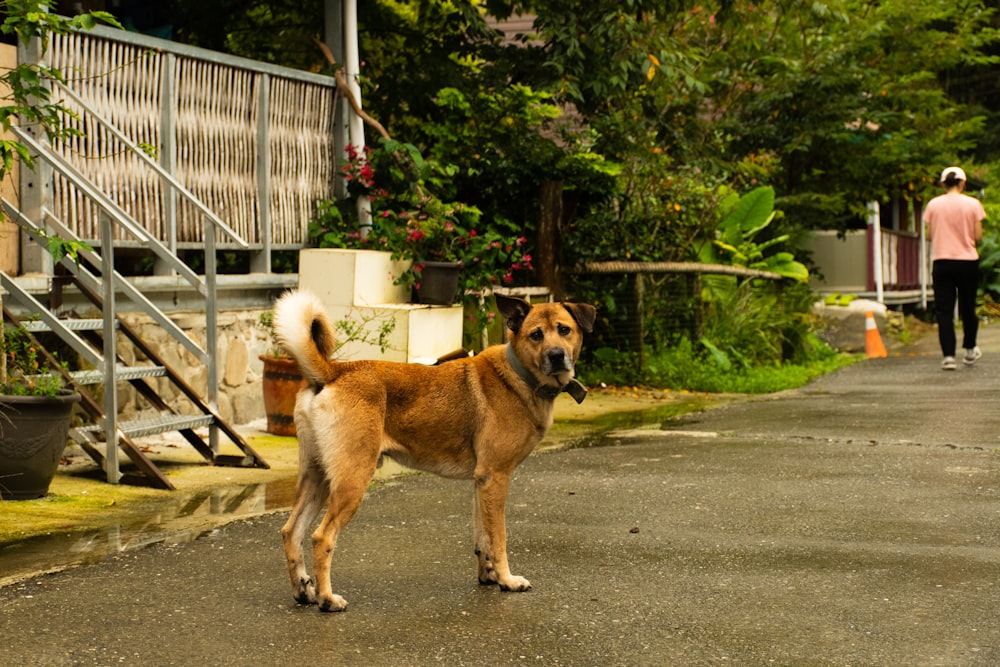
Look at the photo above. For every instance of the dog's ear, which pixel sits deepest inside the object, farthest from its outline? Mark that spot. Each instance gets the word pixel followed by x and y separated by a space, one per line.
pixel 583 313
pixel 514 310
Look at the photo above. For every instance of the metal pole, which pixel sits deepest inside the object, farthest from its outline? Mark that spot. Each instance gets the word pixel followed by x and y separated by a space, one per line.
pixel 211 333
pixel 35 185
pixel 334 37
pixel 110 351
pixel 168 157
pixel 260 262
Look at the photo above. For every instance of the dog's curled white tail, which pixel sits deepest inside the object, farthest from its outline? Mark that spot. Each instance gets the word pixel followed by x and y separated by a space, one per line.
pixel 305 331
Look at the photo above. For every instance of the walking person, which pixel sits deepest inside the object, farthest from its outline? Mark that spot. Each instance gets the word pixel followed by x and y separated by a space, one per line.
pixel 954 225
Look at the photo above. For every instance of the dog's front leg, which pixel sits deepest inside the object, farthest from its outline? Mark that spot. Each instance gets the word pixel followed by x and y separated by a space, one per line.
pixel 491 532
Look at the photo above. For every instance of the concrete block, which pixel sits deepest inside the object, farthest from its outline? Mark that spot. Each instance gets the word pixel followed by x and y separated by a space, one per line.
pixel 352 277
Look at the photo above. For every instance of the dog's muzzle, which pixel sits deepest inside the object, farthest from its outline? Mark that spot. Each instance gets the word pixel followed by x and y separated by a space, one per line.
pixel 555 356
pixel 556 361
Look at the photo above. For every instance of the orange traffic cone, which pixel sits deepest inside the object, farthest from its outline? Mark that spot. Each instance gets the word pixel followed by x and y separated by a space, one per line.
pixel 874 348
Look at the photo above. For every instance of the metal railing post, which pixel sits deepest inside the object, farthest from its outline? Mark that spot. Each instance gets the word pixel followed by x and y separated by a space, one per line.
pixel 111 468
pixel 35 187
pixel 211 332
pixel 260 262
pixel 168 155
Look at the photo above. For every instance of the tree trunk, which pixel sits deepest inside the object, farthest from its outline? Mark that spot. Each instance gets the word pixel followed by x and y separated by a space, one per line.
pixel 549 237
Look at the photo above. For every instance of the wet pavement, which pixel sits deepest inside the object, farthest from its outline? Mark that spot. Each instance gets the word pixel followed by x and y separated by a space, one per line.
pixel 855 521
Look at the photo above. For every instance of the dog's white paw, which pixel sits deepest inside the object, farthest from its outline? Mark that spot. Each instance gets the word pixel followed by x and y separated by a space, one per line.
pixel 305 591
pixel 515 584
pixel 332 603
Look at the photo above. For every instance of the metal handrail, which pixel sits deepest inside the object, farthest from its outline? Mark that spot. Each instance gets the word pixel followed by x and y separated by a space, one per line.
pixel 92 282
pixel 153 164
pixel 126 221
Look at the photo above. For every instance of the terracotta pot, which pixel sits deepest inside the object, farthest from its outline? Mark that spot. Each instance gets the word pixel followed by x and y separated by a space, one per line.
pixel 438 283
pixel 33 434
pixel 282 381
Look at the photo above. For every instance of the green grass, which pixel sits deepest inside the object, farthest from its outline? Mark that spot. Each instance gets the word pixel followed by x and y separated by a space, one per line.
pixel 686 366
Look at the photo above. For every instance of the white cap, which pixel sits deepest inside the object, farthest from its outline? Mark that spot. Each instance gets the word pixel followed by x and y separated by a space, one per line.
pixel 953 171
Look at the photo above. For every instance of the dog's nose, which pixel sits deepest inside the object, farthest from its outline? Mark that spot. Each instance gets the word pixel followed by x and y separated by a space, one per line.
pixel 557 360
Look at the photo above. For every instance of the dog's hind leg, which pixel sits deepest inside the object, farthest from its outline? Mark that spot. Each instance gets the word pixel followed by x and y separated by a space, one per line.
pixel 346 495
pixel 310 491
pixel 491 532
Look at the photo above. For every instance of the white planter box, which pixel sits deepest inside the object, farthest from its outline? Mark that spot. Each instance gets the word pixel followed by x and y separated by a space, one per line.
pixel 359 285
pixel 352 277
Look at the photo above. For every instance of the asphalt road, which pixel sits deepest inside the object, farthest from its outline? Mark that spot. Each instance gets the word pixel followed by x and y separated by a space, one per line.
pixel 855 521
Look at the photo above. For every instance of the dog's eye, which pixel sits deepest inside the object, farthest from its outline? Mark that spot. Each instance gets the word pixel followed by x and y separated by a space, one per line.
pixel 536 335
pixel 563 330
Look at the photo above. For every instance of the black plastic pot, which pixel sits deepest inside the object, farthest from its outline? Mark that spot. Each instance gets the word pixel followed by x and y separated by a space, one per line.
pixel 33 435
pixel 438 283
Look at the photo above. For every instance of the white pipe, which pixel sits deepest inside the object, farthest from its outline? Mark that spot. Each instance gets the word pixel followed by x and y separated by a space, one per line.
pixel 352 72
pixel 875 223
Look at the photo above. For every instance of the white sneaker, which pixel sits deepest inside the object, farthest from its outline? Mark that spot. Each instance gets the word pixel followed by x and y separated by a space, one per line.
pixel 972 356
pixel 948 364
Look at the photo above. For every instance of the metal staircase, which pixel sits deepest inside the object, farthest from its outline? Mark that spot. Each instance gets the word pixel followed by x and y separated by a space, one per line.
pixel 95 340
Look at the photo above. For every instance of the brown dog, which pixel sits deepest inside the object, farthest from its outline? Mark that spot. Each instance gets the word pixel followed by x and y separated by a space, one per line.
pixel 474 418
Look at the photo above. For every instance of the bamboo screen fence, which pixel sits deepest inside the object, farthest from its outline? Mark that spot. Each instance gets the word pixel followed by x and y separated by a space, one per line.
pixel 255 144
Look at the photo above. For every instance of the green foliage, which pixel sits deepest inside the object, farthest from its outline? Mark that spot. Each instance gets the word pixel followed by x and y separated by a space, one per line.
pixel 28 102
pixel 420 227
pixel 761 323
pixel 652 210
pixel 849 95
pixel 736 241
pixel 28 370
pixel 503 144
pixel 989 265
pixel 29 97
pixel 685 366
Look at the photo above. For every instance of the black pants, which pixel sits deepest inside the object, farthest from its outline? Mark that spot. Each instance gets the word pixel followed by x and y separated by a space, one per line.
pixel 955 277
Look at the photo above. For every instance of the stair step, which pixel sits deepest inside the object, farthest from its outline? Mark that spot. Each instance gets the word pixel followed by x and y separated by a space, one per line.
pixel 122 373
pixel 138 428
pixel 37 326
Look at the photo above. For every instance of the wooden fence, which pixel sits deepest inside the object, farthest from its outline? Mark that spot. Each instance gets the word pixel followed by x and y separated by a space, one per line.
pixel 253 141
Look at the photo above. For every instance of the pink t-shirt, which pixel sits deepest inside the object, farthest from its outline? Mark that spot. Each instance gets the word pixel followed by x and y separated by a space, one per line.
pixel 951 225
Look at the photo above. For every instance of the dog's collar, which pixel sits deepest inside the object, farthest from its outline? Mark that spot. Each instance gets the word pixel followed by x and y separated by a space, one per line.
pixel 574 388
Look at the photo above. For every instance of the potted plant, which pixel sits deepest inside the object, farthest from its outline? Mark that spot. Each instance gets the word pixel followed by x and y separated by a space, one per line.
pixel 281 382
pixel 420 227
pixel 282 378
pixel 35 413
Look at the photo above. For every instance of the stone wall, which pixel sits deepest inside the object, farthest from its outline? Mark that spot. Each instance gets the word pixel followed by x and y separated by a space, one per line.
pixel 241 340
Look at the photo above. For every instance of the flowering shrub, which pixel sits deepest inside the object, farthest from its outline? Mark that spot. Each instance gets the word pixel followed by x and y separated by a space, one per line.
pixel 422 228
